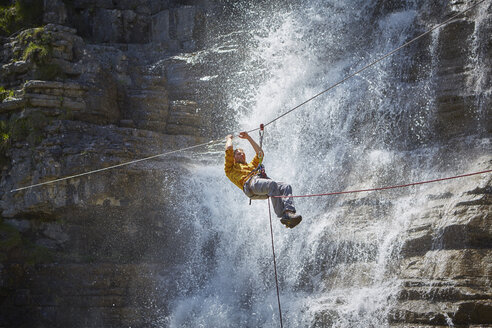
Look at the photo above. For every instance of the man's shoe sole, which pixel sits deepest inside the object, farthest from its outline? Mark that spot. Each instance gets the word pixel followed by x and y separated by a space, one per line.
pixel 291 223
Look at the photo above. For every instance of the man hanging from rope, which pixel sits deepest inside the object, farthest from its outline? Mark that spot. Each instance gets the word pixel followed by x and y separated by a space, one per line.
pixel 252 180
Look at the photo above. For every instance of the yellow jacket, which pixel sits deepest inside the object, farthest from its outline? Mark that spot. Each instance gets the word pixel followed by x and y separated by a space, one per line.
pixel 236 172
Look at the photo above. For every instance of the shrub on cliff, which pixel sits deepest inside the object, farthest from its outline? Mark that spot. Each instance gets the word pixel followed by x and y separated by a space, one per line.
pixel 4 94
pixel 20 14
pixel 36 47
pixel 4 142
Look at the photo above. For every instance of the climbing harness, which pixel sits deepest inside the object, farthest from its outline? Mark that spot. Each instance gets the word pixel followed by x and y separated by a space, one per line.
pixel 259 171
pixel 270 122
pixel 262 133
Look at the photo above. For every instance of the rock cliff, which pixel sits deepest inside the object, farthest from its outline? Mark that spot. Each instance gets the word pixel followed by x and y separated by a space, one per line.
pixel 100 84
pixel 105 82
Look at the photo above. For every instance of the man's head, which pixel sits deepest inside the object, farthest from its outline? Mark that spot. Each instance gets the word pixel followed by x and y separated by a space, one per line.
pixel 239 156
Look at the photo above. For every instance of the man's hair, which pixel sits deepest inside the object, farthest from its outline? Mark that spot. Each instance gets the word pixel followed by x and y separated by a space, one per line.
pixel 235 150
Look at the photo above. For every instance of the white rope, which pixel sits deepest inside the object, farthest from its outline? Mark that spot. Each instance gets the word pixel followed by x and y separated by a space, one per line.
pixel 114 166
pixel 373 63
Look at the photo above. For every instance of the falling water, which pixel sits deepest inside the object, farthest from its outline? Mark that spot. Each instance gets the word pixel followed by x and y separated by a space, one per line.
pixel 337 268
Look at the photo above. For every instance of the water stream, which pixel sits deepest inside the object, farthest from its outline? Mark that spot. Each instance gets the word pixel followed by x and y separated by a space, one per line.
pixel 337 268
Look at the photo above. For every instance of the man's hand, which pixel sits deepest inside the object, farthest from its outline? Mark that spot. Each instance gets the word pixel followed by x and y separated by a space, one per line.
pixel 244 135
pixel 258 150
pixel 229 142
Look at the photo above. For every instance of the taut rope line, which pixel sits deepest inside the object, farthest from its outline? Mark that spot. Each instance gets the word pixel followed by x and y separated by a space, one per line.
pixel 372 63
pixel 115 166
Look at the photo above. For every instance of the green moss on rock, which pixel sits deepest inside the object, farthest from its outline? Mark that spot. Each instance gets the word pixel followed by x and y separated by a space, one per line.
pixel 5 140
pixel 37 45
pixel 22 128
pixel 20 14
pixel 37 53
pixel 5 93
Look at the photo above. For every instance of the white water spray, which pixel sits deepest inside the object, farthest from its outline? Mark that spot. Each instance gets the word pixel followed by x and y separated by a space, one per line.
pixel 338 267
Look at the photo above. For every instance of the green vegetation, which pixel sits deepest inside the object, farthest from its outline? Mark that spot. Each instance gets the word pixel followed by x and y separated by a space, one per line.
pixel 5 93
pixel 36 53
pixel 4 142
pixel 19 14
pixel 28 128
pixel 37 46
pixel 4 132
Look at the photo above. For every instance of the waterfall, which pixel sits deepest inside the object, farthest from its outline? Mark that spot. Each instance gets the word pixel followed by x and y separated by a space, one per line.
pixel 338 267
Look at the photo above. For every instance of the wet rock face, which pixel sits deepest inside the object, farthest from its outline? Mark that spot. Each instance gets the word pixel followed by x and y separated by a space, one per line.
pixel 173 24
pixel 443 264
pixel 445 269
pixel 463 66
pixel 91 251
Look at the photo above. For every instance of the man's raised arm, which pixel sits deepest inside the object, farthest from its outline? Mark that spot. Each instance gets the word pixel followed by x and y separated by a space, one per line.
pixel 228 142
pixel 258 150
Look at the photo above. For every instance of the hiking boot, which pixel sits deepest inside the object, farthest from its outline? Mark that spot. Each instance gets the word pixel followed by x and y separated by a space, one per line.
pixel 290 219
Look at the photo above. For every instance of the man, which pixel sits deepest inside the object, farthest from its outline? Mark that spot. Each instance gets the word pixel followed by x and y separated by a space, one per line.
pixel 256 185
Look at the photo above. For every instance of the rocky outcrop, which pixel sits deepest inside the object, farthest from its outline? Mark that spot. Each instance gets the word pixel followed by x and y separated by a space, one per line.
pixel 85 289
pixel 171 25
pixel 445 269
pixel 445 266
pixel 456 76
pixel 89 251
pixel 433 270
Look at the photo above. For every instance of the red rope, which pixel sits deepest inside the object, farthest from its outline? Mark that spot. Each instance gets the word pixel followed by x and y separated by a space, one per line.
pixel 389 187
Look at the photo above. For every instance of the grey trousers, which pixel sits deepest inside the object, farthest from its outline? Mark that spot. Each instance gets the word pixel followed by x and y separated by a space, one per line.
pixel 260 186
